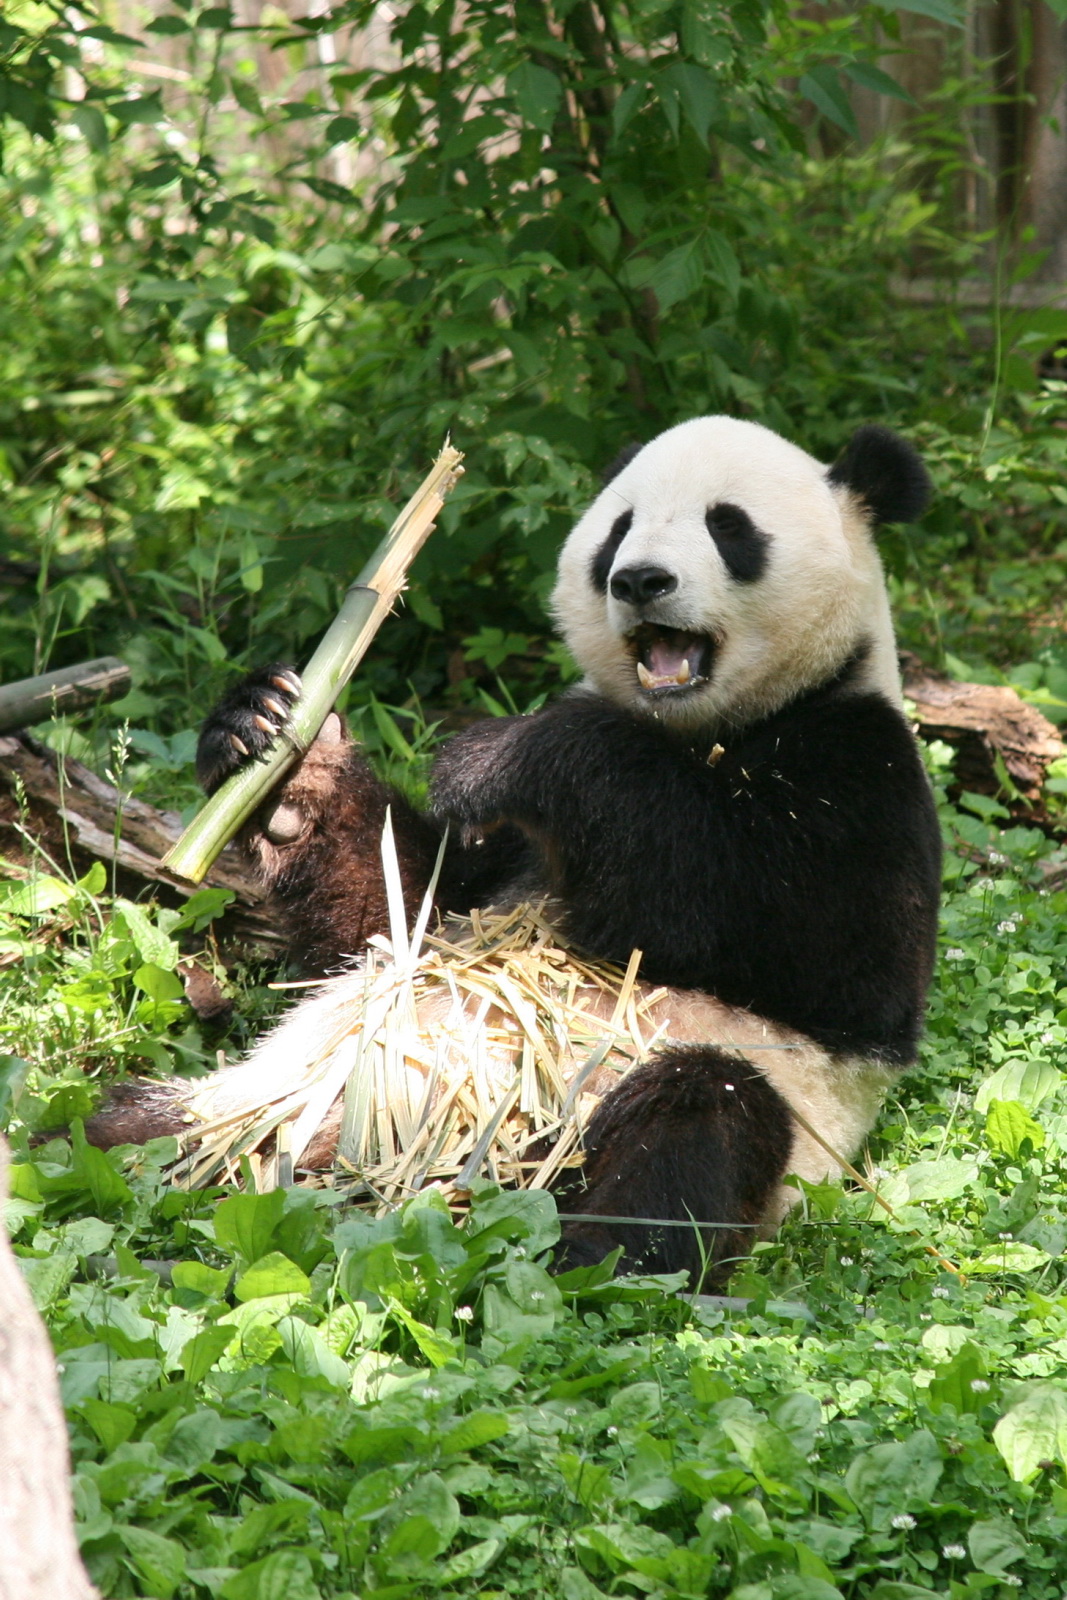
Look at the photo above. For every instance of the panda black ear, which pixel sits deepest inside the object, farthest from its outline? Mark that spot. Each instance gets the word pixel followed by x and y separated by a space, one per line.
pixel 886 473
pixel 623 459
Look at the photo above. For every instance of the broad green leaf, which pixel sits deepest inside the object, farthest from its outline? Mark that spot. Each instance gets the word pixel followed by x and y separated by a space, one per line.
pixel 953 1383
pixel 310 1355
pixel 200 1354
pixel 245 1223
pixel 872 77
pixel 1033 1431
pixel 160 1561
pixel 112 1424
pixel 286 1575
pixel 202 1279
pixel 947 11
pixel 271 1275
pixel 994 1544
pixel 896 1477
pixel 695 90
pixel 1029 1082
pixel 473 1431
pixel 1009 1126
pixel 538 94
pixel 1012 1255
pixel 158 984
pixel 38 896
pixel 822 86
pixel 153 945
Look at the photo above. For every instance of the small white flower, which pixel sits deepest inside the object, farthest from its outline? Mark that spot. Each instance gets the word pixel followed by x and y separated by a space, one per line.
pixel 1003 1237
pixel 430 1393
pixel 570 1411
pixel 996 858
pixel 903 1521
pixel 846 1261
pixel 881 1344
pixel 955 954
pixel 1007 926
pixel 1011 1580
pixel 520 1252
pixel 464 1313
pixel 979 1385
pixel 939 1292
pixel 721 1513
pixel 953 1552
pixel 814 1456
pixel 1048 1038
pixel 537 1294
pixel 924 1316
pixel 612 1432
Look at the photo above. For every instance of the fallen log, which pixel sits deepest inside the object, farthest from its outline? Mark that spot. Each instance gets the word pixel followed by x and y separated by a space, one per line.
pixel 70 807
pixel 54 694
pixel 983 721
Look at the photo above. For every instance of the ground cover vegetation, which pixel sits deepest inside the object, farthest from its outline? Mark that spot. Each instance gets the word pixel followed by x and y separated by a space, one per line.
pixel 236 317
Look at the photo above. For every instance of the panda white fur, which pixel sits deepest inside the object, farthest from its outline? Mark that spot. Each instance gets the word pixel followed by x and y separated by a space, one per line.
pixel 733 789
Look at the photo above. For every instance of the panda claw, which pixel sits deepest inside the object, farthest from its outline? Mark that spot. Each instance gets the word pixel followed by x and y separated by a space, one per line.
pixel 239 745
pixel 275 707
pixel 287 682
pixel 263 725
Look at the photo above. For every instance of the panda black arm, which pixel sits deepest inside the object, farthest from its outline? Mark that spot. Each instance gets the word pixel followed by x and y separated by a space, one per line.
pixel 316 841
pixel 798 876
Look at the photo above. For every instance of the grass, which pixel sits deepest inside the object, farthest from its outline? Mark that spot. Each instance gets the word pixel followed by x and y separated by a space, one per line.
pixel 275 1395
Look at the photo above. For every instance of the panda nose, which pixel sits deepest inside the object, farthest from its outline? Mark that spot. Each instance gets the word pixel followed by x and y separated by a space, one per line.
pixel 638 585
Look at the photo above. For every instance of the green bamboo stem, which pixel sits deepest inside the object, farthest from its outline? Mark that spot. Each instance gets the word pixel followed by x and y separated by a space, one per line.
pixel 366 605
pixel 53 694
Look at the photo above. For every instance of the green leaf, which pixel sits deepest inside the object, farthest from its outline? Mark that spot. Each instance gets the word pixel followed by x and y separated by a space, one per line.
pixel 40 895
pixel 1033 1431
pixel 200 1354
pixel 158 984
pixel 245 1223
pixel 628 105
pixel 286 1575
pixel 695 91
pixel 310 1355
pixel 947 11
pixel 538 94
pixel 1009 1126
pixel 113 1425
pixel 89 121
pixel 1009 1256
pixel 153 945
pixel 995 1544
pixel 894 1478
pixel 200 1278
pixel 160 1561
pixel 271 1274
pixel 1029 1082
pixel 822 86
pixel 953 1384
pixel 479 1428
pixel 869 76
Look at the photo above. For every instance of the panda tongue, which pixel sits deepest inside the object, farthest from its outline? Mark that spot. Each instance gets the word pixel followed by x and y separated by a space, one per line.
pixel 669 661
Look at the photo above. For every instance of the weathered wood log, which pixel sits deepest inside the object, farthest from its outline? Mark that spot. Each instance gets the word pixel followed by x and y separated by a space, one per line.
pixel 983 721
pixel 40 1558
pixel 54 694
pixel 100 822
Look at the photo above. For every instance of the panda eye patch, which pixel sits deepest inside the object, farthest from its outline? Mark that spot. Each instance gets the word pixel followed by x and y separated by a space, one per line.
pixel 741 544
pixel 602 561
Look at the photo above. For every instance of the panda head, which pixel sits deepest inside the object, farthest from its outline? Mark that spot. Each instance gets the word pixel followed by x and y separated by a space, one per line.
pixel 722 571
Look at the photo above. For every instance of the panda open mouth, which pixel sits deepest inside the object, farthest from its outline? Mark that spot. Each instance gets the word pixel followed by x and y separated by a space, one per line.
pixel 670 661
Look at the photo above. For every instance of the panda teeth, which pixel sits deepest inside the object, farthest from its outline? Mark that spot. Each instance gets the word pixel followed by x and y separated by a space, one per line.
pixel 644 677
pixel 684 673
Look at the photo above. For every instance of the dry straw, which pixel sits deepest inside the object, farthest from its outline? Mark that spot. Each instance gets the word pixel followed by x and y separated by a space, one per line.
pixel 458 1055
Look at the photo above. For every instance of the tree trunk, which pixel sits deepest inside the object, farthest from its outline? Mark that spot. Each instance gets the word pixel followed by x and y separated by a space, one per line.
pixel 39 1557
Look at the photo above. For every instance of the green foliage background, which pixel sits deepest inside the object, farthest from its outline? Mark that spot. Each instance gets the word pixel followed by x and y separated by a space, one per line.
pixel 236 318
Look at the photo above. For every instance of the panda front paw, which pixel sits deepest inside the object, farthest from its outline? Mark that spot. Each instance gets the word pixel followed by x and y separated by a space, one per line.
pixel 245 723
pixel 473 784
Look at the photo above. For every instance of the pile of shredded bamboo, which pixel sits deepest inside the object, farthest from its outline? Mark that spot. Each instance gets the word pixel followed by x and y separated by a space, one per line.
pixel 480 1052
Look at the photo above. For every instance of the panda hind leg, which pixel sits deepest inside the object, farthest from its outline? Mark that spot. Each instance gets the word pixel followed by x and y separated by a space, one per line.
pixel 694 1136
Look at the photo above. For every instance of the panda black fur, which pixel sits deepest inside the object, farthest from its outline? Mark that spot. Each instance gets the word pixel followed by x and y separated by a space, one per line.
pixel 732 789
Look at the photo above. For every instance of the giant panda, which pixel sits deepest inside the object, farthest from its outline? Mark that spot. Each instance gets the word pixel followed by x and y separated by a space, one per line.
pixel 732 788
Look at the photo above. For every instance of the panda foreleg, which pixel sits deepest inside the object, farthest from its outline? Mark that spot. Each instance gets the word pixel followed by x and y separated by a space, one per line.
pixel 316 841
pixel 695 1136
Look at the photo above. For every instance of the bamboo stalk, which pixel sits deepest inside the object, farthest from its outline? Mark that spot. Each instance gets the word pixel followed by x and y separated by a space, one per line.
pixel 366 605
pixel 52 694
